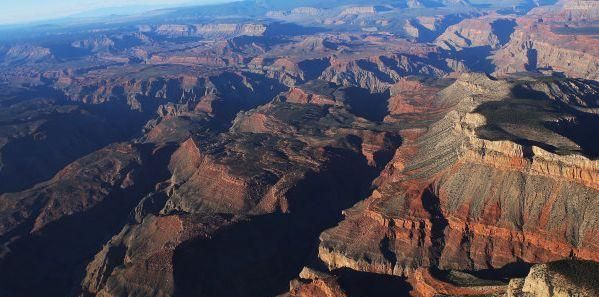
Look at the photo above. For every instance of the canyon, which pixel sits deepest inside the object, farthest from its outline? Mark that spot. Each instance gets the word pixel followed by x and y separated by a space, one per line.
pixel 273 148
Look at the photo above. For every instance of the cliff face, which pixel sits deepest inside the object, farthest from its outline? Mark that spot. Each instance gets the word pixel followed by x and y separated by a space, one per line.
pixel 553 38
pixel 345 60
pixel 569 11
pixel 26 53
pixel 542 50
pixel 42 134
pixel 142 253
pixel 489 31
pixel 410 97
pixel 81 180
pixel 101 43
pixel 297 95
pixel 222 94
pixel 377 74
pixel 480 204
pixel 238 182
pixel 226 150
pixel 92 198
pixel 315 283
pixel 217 183
pixel 562 278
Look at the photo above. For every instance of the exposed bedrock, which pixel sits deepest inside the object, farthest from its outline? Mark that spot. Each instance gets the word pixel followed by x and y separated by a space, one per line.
pixel 58 131
pixel 454 200
pixel 537 51
pixel 559 38
pixel 192 254
pixel 223 94
pixel 582 11
pixel 341 149
pixel 269 250
pixel 377 74
pixel 345 282
pixel 80 208
pixel 226 209
pixel 486 31
pixel 566 278
pixel 40 136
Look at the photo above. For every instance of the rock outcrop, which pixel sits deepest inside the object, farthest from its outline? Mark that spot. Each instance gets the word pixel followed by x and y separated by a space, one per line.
pixel 344 148
pixel 142 253
pixel 569 11
pixel 429 210
pixel 314 283
pixel 210 30
pixel 223 94
pixel 218 182
pixel 77 187
pixel 26 53
pixel 564 278
pixel 377 74
pixel 543 49
pixel 425 284
pixel 553 38
pixel 481 32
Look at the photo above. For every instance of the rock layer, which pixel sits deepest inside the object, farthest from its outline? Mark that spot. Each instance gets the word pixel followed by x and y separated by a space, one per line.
pixel 429 210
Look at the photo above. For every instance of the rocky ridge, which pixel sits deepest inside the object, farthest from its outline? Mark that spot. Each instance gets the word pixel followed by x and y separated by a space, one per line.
pixel 417 217
pixel 562 278
pixel 221 156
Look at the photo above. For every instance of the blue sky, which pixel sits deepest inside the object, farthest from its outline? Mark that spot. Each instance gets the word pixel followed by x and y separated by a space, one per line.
pixel 23 11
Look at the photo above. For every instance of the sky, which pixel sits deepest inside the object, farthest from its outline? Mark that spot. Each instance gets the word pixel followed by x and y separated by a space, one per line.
pixel 25 11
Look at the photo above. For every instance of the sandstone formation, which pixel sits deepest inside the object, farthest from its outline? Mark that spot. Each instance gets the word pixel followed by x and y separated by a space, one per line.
pixel 563 278
pixel 314 283
pixel 378 73
pixel 492 32
pixel 548 38
pixel 126 263
pixel 215 181
pixel 458 284
pixel 427 213
pixel 322 148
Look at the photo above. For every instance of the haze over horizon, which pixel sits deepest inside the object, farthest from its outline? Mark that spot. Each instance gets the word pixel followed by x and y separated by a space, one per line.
pixel 27 11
